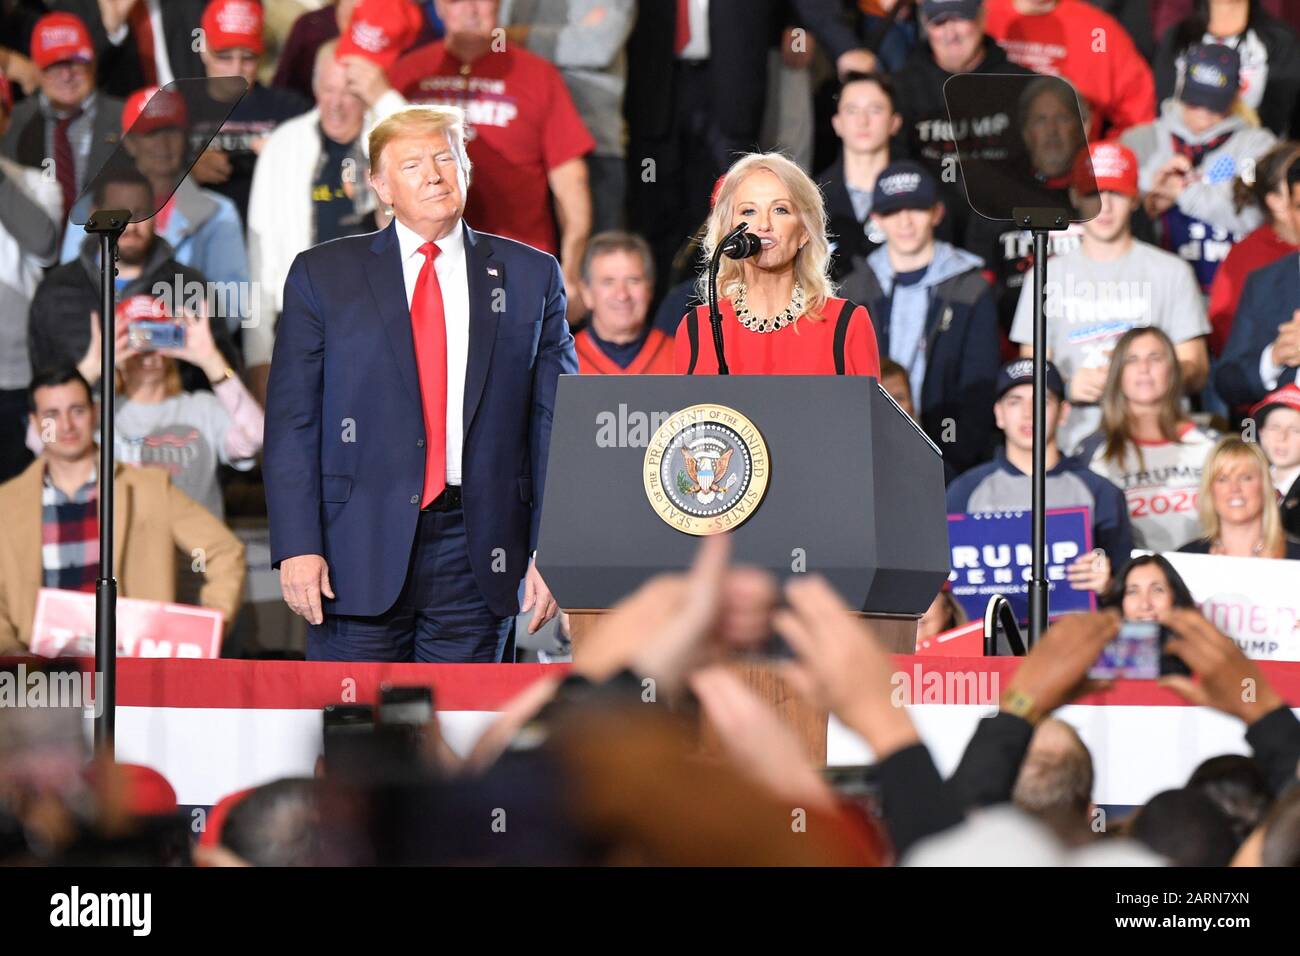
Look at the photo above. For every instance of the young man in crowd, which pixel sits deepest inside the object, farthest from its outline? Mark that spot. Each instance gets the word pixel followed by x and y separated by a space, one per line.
pixel 1110 284
pixel 52 521
pixel 232 32
pixel 893 379
pixel 68 121
pixel 1277 423
pixel 617 284
pixel 956 42
pixel 1003 484
pixel 1086 46
pixel 934 315
pixel 865 120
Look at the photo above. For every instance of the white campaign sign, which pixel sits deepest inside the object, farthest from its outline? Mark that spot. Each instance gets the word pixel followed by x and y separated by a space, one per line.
pixel 1255 601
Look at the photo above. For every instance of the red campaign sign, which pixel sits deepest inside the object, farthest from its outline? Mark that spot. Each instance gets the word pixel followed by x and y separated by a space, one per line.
pixel 65 627
pixel 964 641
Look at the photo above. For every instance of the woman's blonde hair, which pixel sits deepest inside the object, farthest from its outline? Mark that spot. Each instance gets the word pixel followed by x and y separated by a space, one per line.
pixel 1228 451
pixel 811 263
pixel 1115 423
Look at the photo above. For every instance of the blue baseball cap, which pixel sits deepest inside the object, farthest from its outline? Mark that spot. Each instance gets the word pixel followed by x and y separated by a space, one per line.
pixel 1211 77
pixel 1021 372
pixel 904 185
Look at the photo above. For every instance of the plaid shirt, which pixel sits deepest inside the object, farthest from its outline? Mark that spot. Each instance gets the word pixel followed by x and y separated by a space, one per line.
pixel 70 536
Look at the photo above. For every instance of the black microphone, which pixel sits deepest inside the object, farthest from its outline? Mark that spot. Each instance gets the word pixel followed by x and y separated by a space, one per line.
pixel 739 244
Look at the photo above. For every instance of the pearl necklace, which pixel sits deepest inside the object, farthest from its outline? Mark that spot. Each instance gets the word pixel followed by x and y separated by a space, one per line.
pixel 772 323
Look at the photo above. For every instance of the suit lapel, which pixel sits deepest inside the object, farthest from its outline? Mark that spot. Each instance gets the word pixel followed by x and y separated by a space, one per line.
pixel 388 286
pixel 487 277
pixel 121 518
pixel 25 526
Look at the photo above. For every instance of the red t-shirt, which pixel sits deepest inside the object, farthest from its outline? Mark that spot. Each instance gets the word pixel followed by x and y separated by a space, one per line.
pixel 1258 249
pixel 655 357
pixel 1089 48
pixel 805 348
pixel 521 123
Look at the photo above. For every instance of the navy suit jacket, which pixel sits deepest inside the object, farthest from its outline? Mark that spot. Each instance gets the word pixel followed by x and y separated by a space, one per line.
pixel 1268 299
pixel 344 444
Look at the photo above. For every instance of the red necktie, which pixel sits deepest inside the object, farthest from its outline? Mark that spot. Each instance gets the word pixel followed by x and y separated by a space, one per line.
pixel 429 331
pixel 142 30
pixel 682 36
pixel 65 163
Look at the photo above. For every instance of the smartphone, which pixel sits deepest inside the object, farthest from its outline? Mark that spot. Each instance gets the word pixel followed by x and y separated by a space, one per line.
pixel 1137 653
pixel 405 705
pixel 148 336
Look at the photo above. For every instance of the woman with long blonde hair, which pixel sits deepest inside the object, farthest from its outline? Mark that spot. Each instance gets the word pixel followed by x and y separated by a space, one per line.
pixel 1238 506
pixel 1146 444
pixel 779 313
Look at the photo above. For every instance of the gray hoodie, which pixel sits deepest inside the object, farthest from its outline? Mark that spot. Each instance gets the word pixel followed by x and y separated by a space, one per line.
pixel 1207 201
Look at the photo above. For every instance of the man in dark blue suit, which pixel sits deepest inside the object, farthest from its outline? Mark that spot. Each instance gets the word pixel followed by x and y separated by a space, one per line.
pixel 408 417
pixel 1263 349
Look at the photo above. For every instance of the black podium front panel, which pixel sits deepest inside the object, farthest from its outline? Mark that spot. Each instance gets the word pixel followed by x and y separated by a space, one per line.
pixel 855 490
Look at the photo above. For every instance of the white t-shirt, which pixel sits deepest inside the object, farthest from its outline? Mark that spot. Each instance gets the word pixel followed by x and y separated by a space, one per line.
pixel 1162 489
pixel 1091 304
pixel 185 434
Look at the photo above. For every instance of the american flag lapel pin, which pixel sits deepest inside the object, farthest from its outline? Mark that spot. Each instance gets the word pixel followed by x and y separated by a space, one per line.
pixel 492 271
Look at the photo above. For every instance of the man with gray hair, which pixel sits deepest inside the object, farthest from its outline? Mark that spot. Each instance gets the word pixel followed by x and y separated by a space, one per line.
pixel 618 279
pixel 308 187
pixel 409 418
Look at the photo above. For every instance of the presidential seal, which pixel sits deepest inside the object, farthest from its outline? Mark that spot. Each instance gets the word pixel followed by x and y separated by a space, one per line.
pixel 706 469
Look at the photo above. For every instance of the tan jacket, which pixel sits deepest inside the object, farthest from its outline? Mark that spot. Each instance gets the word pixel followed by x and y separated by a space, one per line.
pixel 153 518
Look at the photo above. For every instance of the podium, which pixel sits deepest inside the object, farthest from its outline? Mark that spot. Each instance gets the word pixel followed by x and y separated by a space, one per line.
pixel 809 474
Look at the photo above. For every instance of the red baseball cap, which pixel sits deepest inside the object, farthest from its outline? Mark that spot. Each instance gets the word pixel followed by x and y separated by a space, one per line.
pixel 381 30
pixel 142 308
pixel 211 835
pixel 230 24
pixel 1113 165
pixel 1288 396
pixel 146 792
pixel 58 37
pixel 151 109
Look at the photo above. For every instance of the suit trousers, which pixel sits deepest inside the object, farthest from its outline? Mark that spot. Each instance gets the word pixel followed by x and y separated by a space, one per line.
pixel 440 617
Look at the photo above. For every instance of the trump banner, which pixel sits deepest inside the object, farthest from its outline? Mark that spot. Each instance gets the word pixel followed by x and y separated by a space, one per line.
pixel 991 555
pixel 1255 601
pixel 65 627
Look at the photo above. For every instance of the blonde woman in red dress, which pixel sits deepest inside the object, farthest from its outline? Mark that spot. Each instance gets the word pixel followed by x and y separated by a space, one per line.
pixel 779 313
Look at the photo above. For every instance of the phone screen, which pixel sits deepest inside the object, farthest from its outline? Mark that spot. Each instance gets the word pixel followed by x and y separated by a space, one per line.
pixel 1134 654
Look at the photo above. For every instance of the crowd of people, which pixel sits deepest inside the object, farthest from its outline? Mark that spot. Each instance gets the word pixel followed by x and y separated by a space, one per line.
pixel 588 769
pixel 627 139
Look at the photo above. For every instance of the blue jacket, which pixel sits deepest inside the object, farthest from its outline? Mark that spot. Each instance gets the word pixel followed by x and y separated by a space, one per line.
pixel 962 348
pixel 344 457
pixel 1268 299
pixel 999 485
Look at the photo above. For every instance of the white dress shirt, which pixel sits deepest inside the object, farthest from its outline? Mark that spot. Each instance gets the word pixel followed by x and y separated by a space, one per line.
pixel 697 48
pixel 453 278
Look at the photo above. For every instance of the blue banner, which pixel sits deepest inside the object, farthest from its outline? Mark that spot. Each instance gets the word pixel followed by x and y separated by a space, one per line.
pixel 991 555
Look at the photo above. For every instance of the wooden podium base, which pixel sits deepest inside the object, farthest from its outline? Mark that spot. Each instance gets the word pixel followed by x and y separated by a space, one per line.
pixel 897 634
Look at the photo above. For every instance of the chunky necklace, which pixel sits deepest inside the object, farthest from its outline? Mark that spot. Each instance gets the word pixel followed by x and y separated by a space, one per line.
pixel 771 323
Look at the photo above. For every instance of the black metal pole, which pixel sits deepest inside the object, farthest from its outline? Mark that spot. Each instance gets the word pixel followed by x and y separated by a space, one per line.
pixel 1038 476
pixel 108 225
pixel 715 314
